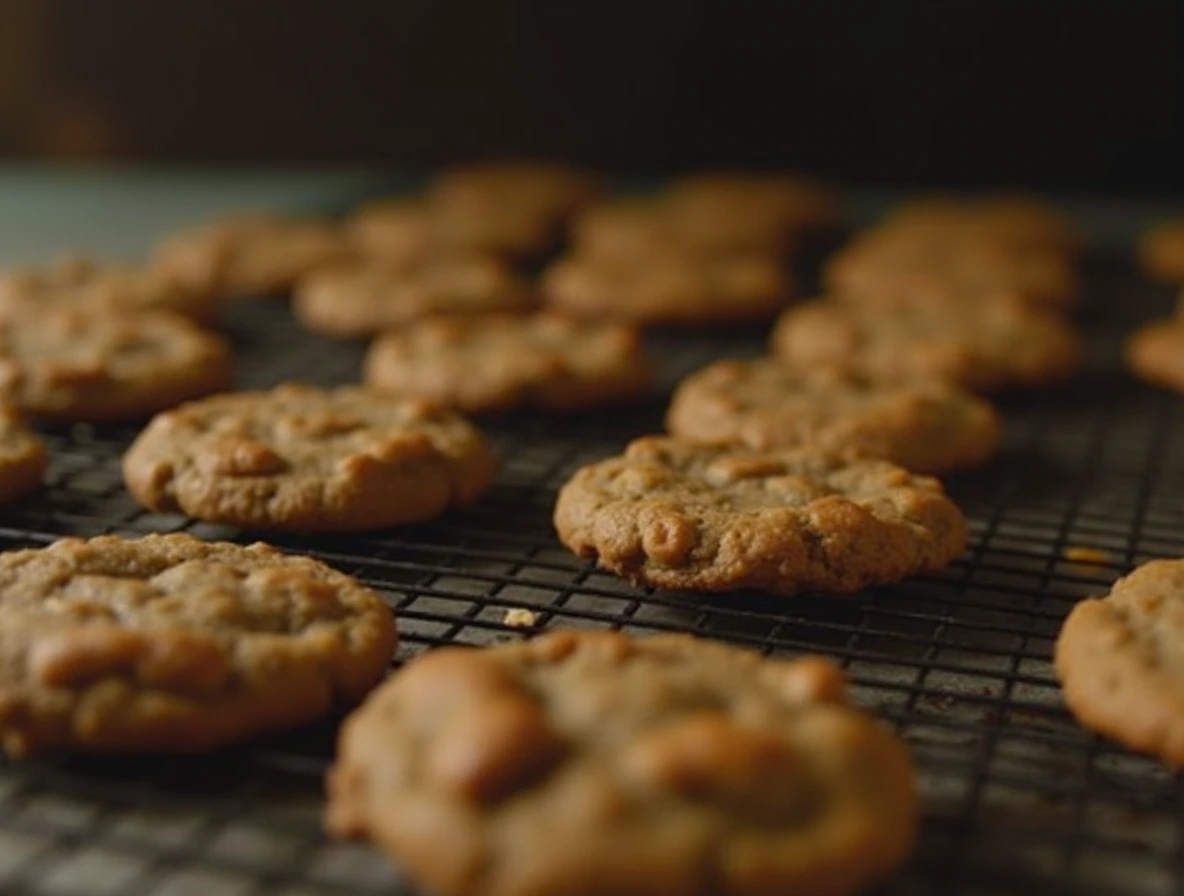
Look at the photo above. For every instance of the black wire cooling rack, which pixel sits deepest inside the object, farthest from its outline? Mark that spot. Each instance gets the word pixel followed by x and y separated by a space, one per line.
pixel 1017 798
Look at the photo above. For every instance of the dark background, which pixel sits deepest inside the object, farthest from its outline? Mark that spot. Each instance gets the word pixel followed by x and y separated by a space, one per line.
pixel 965 92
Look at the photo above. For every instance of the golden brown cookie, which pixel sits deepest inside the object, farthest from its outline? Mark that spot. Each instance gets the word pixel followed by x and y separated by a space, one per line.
pixel 981 346
pixel 486 362
pixel 673 286
pixel 251 255
pixel 677 514
pixel 586 763
pixel 1120 660
pixel 1161 250
pixel 308 459
pixel 1012 219
pixel 394 232
pixel 363 298
pixel 1155 352
pixel 23 459
pixel 925 425
pixel 91 364
pixel 166 643
pixel 77 279
pixel 623 227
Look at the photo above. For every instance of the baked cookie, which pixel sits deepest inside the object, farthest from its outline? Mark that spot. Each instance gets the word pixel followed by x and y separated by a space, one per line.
pixel 1155 352
pixel 623 227
pixel 592 763
pixel 921 424
pixel 394 232
pixel 90 364
pixel 982 346
pixel 361 299
pixel 1161 250
pixel 251 255
pixel 492 362
pixel 1015 220
pixel 308 459
pixel 77 279
pixel 676 514
pixel 166 643
pixel 1120 660
pixel 675 286
pixel 22 457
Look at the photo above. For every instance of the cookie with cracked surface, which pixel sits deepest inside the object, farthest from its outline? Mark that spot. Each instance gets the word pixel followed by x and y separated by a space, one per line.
pixel 77 279
pixel 664 765
pixel 491 362
pixel 89 364
pixel 1160 250
pixel 1120 661
pixel 167 643
pixel 23 458
pixel 251 255
pixel 1155 353
pixel 921 424
pixel 980 346
pixel 361 299
pixel 674 286
pixel 677 514
pixel 307 459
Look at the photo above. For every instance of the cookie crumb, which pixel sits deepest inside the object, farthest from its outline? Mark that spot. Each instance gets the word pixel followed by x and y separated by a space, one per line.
pixel 520 617
pixel 1083 554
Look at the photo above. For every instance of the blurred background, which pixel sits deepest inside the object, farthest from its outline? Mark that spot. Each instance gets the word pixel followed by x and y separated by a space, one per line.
pixel 1082 97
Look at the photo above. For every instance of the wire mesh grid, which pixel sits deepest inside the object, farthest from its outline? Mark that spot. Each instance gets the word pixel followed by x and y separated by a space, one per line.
pixel 1017 798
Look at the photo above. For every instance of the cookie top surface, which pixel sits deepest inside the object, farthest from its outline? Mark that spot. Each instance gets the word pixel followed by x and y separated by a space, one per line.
pixel 169 643
pixel 500 361
pixel 23 458
pixel 1015 220
pixel 590 762
pixel 723 202
pixel 924 425
pixel 669 287
pixel 1120 660
pixel 394 231
pixel 87 363
pixel 1160 250
pixel 77 279
pixel 308 459
pixel 984 346
pixel 1155 352
pixel 676 514
pixel 551 187
pixel 251 254
pixel 360 299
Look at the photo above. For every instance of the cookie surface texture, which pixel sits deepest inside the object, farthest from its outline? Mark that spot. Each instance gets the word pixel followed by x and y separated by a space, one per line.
pixel 586 763
pixel 676 514
pixel 923 425
pixel 167 643
pixel 23 458
pixel 1155 353
pixel 308 459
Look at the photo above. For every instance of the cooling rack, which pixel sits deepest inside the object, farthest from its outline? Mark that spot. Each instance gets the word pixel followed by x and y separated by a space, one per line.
pixel 1017 798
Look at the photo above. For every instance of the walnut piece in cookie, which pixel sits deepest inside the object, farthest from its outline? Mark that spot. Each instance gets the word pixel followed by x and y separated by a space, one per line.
pixel 492 362
pixel 166 643
pixel 23 458
pixel 88 363
pixel 922 424
pixel 307 459
pixel 677 514
pixel 585 762
pixel 1120 660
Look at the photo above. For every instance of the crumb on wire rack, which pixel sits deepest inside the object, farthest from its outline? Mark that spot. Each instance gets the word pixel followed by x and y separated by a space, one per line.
pixel 520 617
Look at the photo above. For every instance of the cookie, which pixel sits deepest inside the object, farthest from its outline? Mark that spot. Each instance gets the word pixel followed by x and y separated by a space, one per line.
pixel 307 459
pixel 1012 219
pixel 669 287
pixel 90 364
pixel 552 187
pixel 1160 250
pixel 170 644
pixel 676 514
pixel 981 346
pixel 492 362
pixel 921 424
pixel 251 255
pixel 76 279
pixel 588 763
pixel 23 459
pixel 395 232
pixel 1121 665
pixel 623 227
pixel 361 299
pixel 1155 353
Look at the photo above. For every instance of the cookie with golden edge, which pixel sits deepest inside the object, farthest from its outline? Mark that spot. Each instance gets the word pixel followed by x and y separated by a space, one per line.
pixel 23 459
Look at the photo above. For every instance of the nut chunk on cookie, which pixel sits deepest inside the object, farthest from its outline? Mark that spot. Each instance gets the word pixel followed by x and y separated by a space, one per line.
pixel 308 459
pixel 1120 660
pixel 593 763
pixel 675 514
pixel 167 643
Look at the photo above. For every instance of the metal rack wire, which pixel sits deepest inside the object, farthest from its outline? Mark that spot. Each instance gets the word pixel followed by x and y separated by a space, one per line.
pixel 1017 798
